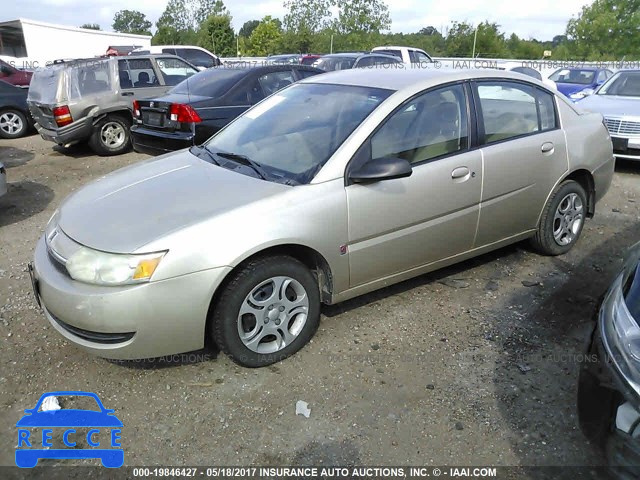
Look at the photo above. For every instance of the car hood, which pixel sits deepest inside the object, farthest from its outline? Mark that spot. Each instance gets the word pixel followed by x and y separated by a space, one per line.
pixel 69 418
pixel 569 88
pixel 131 207
pixel 611 105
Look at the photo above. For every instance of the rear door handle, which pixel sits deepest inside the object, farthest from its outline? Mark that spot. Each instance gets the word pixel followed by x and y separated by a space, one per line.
pixel 460 173
pixel 127 94
pixel 547 147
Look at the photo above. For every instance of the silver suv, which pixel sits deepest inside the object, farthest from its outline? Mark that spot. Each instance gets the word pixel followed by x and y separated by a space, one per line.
pixel 92 99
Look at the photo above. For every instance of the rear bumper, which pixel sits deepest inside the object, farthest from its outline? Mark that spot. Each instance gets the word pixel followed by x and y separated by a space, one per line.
pixel 155 142
pixel 75 132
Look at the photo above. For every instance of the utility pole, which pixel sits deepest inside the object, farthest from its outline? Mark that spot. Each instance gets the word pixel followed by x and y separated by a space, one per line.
pixel 331 43
pixel 475 37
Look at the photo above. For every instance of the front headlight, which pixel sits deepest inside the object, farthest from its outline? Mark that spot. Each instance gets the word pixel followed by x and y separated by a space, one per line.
pixel 581 94
pixel 101 268
pixel 619 326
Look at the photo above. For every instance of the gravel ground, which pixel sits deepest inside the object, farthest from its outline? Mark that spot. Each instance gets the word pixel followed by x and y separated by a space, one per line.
pixel 475 364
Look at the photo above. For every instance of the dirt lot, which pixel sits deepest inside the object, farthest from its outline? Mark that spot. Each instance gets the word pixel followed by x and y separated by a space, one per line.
pixel 477 371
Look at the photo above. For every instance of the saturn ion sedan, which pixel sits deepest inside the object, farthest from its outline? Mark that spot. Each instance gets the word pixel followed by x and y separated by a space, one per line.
pixel 335 186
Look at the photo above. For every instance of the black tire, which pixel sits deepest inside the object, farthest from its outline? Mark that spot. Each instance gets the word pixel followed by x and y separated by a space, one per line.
pixel 102 145
pixel 544 240
pixel 225 318
pixel 18 122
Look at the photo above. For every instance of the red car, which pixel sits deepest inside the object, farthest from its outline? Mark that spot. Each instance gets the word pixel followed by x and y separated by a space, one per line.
pixel 10 74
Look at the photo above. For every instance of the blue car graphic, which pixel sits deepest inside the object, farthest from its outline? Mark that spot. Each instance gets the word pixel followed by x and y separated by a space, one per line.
pixel 68 418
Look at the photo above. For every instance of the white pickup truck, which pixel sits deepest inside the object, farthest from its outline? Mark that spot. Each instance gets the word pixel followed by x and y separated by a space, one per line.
pixel 407 54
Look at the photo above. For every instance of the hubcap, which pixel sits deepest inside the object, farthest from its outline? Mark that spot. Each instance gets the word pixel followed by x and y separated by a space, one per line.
pixel 273 315
pixel 568 219
pixel 112 135
pixel 10 123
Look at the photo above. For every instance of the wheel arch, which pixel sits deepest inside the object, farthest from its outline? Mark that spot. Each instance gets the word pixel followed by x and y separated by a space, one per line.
pixel 314 260
pixel 586 181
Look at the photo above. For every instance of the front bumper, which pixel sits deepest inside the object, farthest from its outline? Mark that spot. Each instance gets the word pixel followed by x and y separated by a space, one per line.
pixel 626 147
pixel 608 403
pixel 75 132
pixel 132 322
pixel 158 142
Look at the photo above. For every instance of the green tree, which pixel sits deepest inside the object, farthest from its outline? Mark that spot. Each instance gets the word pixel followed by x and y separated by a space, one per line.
pixel 361 16
pixel 217 36
pixel 248 27
pixel 489 41
pixel 265 38
pixel 304 19
pixel 91 26
pixel 606 29
pixel 203 9
pixel 131 21
pixel 181 19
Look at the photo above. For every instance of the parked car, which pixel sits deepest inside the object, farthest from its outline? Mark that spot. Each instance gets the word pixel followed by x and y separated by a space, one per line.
pixel 14 76
pixel 3 180
pixel 408 55
pixel 91 100
pixel 195 109
pixel 336 186
pixel 15 120
pixel 344 61
pixel 309 59
pixel 609 383
pixel 618 100
pixel 288 59
pixel 193 54
pixel 577 83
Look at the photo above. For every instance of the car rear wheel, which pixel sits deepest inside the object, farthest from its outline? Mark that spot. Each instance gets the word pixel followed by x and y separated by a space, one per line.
pixel 267 311
pixel 111 136
pixel 562 219
pixel 13 124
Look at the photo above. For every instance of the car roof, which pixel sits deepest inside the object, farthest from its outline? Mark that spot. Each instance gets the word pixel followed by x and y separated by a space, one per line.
pixel 399 79
pixel 395 46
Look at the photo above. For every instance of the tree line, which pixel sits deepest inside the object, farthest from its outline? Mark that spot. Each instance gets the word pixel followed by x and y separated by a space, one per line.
pixel 602 30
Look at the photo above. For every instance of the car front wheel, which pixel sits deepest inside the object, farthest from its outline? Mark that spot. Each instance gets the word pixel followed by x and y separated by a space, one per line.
pixel 562 219
pixel 267 311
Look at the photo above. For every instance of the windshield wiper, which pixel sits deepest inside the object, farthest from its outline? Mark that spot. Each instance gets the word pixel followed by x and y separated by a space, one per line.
pixel 209 154
pixel 244 160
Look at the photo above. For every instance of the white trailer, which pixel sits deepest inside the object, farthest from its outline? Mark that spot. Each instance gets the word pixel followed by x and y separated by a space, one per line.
pixel 35 44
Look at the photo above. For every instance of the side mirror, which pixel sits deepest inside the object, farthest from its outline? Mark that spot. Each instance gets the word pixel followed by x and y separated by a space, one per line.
pixel 385 168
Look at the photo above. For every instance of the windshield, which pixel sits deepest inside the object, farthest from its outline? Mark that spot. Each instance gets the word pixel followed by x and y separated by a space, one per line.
pixel 294 132
pixel 625 84
pixel 213 83
pixel 573 75
pixel 330 64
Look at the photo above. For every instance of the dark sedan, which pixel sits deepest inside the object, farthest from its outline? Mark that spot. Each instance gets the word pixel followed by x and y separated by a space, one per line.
pixel 15 120
pixel 197 108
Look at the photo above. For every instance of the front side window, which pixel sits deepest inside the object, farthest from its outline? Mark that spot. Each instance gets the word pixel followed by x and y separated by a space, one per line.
pixel 625 84
pixel 274 81
pixel 175 70
pixel 294 132
pixel 196 57
pixel 429 126
pixel 509 110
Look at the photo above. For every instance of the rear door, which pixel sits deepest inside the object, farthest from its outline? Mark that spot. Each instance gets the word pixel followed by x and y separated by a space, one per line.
pixel 524 153
pixel 138 79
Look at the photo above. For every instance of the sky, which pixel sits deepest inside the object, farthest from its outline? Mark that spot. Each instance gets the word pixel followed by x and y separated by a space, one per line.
pixel 540 19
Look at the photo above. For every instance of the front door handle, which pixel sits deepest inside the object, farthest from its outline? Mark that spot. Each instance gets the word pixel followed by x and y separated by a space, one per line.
pixel 459 173
pixel 127 94
pixel 547 147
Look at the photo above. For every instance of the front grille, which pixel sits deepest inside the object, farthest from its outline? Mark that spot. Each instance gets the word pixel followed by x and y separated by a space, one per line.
pixel 623 127
pixel 96 337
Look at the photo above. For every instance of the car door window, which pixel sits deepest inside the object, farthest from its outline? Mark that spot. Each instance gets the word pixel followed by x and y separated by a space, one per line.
pixel 246 94
pixel 602 76
pixel 509 109
pixel 174 70
pixel 431 125
pixel 170 51
pixel 137 73
pixel 306 73
pixel 364 62
pixel 196 57
pixel 421 57
pixel 274 81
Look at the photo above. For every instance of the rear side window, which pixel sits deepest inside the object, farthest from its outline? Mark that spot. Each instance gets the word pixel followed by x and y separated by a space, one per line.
pixel 89 78
pixel 511 109
pixel 395 53
pixel 421 57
